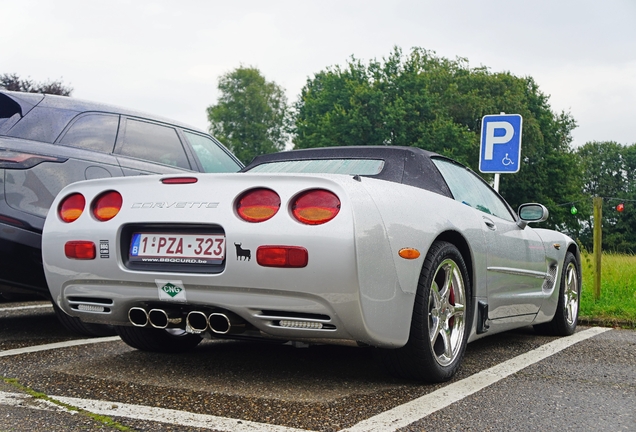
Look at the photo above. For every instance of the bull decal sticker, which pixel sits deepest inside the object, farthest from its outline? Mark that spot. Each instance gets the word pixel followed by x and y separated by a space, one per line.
pixel 242 254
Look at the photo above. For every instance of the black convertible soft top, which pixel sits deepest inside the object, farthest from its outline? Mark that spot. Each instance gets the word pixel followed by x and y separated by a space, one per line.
pixel 407 165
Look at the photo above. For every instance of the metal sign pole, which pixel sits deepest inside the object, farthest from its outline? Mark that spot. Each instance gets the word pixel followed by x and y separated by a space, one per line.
pixel 496 186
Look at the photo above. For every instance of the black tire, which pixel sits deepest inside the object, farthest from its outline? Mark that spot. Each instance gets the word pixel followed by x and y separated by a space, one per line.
pixel 77 326
pixel 566 316
pixel 441 319
pixel 158 340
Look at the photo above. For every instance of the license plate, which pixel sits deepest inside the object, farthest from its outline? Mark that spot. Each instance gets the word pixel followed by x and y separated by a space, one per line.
pixel 177 248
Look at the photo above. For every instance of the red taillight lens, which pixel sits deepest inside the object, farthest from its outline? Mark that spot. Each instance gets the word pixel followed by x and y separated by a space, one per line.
pixel 315 207
pixel 258 205
pixel 107 205
pixel 71 207
pixel 80 249
pixel 282 256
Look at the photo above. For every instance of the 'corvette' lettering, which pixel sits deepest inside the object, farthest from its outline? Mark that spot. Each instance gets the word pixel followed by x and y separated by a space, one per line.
pixel 175 204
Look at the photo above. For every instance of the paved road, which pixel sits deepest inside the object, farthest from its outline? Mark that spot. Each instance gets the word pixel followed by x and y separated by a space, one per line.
pixel 513 381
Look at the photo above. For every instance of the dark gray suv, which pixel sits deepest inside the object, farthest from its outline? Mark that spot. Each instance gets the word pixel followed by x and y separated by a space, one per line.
pixel 47 142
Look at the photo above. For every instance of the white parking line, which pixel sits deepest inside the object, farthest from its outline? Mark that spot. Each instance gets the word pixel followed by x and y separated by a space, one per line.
pixel 57 345
pixel 141 412
pixel 417 409
pixel 175 417
pixel 16 308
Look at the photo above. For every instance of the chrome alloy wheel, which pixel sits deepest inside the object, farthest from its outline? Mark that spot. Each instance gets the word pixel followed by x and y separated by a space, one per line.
pixel 446 312
pixel 571 293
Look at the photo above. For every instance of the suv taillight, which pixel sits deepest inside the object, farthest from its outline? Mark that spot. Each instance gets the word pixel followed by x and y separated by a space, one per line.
pixel 107 205
pixel 257 205
pixel 71 207
pixel 315 207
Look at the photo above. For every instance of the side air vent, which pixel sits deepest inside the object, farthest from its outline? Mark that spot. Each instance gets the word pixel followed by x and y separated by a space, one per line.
pixel 550 281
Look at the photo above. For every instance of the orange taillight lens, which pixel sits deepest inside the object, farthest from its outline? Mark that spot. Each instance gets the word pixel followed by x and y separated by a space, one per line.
pixel 258 205
pixel 315 207
pixel 107 205
pixel 71 207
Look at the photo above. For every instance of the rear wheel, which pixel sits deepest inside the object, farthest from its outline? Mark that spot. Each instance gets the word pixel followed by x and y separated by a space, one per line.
pixel 567 313
pixel 158 340
pixel 438 336
pixel 80 327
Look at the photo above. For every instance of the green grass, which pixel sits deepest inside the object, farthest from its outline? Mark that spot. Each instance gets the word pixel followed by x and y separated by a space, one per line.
pixel 617 304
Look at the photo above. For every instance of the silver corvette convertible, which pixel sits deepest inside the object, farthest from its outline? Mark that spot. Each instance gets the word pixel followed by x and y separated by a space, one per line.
pixel 395 248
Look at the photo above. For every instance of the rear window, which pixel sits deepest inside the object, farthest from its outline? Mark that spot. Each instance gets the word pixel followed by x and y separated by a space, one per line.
pixel 324 166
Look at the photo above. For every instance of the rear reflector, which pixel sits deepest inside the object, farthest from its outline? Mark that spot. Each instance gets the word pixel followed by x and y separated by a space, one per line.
pixel 300 324
pixel 257 205
pixel 80 249
pixel 315 207
pixel 71 207
pixel 282 256
pixel 107 205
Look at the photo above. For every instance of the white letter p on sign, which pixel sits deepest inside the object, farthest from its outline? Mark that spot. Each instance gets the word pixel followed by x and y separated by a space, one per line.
pixel 491 139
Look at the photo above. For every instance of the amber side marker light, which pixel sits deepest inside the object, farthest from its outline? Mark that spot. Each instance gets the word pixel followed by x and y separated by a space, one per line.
pixel 257 205
pixel 71 207
pixel 409 253
pixel 107 205
pixel 282 256
pixel 315 207
pixel 80 250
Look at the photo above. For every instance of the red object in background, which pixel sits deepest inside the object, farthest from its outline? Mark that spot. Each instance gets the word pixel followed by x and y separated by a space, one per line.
pixel 620 207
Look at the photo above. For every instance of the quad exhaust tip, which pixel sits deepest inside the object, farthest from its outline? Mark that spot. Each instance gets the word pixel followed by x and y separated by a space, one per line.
pixel 138 317
pixel 195 322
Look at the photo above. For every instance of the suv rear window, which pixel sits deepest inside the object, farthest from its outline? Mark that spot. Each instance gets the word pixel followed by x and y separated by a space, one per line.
pixel 153 142
pixel 93 132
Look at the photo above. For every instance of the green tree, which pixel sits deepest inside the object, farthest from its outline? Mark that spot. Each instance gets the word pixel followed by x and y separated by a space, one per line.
pixel 251 116
pixel 609 171
pixel 437 104
pixel 13 82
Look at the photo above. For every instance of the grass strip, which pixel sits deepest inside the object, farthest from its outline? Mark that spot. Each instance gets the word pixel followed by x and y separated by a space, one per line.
pixel 617 303
pixel 105 420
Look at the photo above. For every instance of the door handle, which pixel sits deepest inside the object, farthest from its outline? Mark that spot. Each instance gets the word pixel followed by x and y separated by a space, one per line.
pixel 490 224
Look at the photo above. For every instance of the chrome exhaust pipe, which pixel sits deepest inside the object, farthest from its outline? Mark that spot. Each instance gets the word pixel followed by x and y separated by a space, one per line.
pixel 222 323
pixel 160 319
pixel 196 322
pixel 138 317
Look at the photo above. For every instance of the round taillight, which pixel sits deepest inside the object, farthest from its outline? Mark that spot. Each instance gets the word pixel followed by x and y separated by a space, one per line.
pixel 107 205
pixel 258 205
pixel 71 207
pixel 315 207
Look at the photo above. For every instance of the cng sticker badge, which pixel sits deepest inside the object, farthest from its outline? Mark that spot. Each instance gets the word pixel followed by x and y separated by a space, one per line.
pixel 171 290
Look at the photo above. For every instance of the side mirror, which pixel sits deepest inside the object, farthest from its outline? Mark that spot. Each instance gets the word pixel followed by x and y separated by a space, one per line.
pixel 531 212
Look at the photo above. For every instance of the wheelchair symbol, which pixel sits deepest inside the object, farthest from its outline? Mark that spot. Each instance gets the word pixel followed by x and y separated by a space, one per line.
pixel 507 161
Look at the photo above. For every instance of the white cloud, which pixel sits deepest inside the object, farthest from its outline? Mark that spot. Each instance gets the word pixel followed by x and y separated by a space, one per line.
pixel 165 57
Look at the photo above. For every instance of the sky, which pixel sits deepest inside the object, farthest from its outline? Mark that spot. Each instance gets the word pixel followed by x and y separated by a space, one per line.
pixel 166 57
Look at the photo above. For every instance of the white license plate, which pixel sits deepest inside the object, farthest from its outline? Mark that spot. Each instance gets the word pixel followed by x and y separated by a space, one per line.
pixel 178 248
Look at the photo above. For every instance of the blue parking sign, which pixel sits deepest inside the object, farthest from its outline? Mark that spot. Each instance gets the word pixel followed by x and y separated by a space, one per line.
pixel 500 150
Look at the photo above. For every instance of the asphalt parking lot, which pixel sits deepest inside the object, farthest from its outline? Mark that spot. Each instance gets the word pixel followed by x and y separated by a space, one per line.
pixel 53 380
